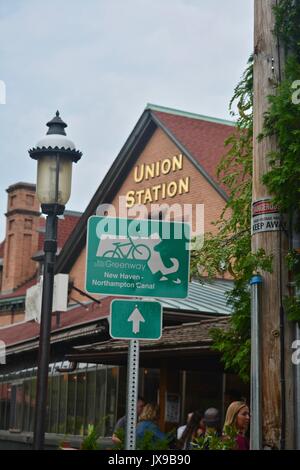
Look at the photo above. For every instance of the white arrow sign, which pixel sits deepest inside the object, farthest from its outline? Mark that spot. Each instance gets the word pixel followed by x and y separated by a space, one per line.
pixel 136 317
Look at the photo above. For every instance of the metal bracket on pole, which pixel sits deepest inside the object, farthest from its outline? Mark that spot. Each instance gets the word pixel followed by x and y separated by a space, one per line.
pixel 132 393
pixel 255 431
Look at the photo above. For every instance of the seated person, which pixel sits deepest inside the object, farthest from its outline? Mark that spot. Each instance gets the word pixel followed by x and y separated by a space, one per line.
pixel 148 423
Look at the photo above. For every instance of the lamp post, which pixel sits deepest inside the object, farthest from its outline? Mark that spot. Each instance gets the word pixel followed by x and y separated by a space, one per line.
pixel 55 155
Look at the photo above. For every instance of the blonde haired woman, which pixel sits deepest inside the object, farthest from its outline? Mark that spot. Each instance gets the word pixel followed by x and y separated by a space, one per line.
pixel 238 417
pixel 148 423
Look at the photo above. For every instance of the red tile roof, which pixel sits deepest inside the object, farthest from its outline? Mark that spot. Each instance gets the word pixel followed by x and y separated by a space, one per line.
pixel 203 139
pixel 65 228
pixel 21 332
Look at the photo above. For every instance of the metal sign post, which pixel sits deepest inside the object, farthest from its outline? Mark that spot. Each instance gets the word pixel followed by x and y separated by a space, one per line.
pixel 255 430
pixel 137 319
pixel 132 393
pixel 136 258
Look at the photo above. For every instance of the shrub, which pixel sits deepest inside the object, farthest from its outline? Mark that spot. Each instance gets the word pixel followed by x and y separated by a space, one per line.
pixel 90 441
pixel 212 441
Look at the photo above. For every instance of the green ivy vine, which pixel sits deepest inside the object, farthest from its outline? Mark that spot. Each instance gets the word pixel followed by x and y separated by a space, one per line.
pixel 283 121
pixel 230 248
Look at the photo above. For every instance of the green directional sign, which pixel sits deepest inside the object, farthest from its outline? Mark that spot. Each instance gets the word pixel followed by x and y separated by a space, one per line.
pixel 131 319
pixel 137 258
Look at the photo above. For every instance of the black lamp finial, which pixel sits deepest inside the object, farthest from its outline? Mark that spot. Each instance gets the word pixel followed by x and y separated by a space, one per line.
pixel 56 125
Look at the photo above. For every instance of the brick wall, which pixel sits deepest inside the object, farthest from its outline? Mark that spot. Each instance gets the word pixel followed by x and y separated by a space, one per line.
pixel 201 191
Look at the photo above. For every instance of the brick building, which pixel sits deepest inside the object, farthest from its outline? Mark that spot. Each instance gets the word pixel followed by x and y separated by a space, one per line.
pixel 170 157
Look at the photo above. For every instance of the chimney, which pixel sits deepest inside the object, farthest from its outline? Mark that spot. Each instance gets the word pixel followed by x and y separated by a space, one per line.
pixel 21 240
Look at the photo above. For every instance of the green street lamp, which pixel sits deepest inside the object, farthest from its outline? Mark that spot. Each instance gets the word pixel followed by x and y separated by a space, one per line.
pixel 55 155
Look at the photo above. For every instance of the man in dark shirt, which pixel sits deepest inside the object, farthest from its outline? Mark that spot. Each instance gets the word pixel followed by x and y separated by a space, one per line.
pixel 121 423
pixel 212 422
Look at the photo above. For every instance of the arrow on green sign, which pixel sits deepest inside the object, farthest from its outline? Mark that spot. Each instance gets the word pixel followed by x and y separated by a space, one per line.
pixel 136 317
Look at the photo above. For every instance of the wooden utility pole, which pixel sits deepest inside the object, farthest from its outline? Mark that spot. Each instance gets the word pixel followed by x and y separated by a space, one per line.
pixel 276 372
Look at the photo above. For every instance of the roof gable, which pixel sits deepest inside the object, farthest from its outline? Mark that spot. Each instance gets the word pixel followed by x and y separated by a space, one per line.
pixel 200 138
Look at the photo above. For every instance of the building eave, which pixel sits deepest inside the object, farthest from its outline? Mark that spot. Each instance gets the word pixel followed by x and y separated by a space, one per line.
pixel 63 334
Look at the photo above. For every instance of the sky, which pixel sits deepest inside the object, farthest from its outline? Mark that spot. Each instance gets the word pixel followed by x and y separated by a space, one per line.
pixel 99 62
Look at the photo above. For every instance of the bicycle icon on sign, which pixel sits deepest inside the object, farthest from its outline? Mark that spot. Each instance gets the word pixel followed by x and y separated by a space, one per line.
pixel 128 250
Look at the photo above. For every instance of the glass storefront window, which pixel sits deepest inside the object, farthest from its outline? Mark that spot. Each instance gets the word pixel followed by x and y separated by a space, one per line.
pixel 19 406
pixel 80 403
pixel 5 405
pixel 100 416
pixel 122 392
pixel 32 403
pixel 72 385
pixel 53 401
pixel 75 400
pixel 111 400
pixel 63 402
pixel 26 408
pixel 90 399
pixel 7 409
pixel 2 406
pixel 16 407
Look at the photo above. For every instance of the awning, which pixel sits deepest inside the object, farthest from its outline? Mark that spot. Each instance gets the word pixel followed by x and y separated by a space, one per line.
pixel 179 341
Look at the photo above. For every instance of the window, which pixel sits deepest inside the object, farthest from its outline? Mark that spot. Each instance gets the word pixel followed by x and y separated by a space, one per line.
pixel 32 403
pixel 72 383
pixel 28 224
pixel 90 398
pixel 111 400
pixel 75 400
pixel 27 404
pixel 80 404
pixel 3 405
pixel 53 402
pixel 62 423
pixel 13 200
pixel 29 200
pixel 100 415
pixel 16 407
